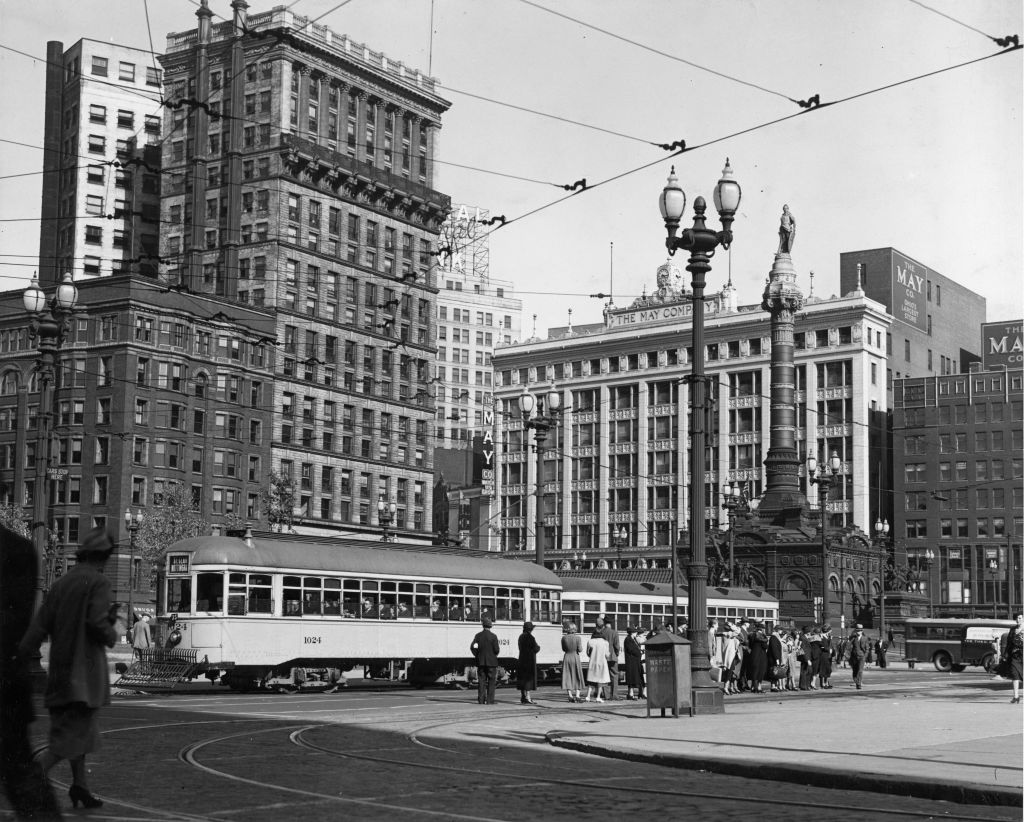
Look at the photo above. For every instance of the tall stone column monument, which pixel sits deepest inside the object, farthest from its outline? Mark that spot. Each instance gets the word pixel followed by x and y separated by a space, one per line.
pixel 783 504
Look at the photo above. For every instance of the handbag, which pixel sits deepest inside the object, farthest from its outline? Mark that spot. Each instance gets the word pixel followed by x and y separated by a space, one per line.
pixel 780 671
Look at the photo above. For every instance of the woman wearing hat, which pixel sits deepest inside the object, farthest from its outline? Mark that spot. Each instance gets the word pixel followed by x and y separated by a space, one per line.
pixel 573 680
pixel 79 618
pixel 597 670
pixel 634 665
pixel 730 658
pixel 527 668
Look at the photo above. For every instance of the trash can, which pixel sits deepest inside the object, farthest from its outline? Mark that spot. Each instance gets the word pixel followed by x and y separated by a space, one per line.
pixel 668 673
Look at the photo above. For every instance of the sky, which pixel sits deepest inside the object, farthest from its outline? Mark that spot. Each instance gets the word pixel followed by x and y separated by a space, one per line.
pixel 930 166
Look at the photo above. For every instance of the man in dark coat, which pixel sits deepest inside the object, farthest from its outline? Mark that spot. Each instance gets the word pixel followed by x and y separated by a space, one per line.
pixel 23 780
pixel 860 646
pixel 775 658
pixel 485 649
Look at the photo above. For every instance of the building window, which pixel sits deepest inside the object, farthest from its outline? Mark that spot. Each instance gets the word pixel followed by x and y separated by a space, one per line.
pixel 99 66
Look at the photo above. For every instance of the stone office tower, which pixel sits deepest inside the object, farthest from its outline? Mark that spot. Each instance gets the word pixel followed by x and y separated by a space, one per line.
pixel 299 176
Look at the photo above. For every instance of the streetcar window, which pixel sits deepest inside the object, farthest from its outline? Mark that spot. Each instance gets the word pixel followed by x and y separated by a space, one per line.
pixel 179 595
pixel 260 600
pixel 406 609
pixel 388 601
pixel 332 597
pixel 292 596
pixel 502 604
pixel 439 602
pixel 471 610
pixel 236 594
pixel 350 603
pixel 544 607
pixel 517 607
pixel 455 602
pixel 210 592
pixel 311 602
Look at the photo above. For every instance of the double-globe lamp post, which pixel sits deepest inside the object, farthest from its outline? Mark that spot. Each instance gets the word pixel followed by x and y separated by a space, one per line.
pixel 385 516
pixel 132 523
pixel 882 534
pixel 49 323
pixel 824 479
pixel 733 501
pixel 540 420
pixel 701 242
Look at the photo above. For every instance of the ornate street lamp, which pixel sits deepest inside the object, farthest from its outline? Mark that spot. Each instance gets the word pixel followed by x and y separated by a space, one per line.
pixel 734 500
pixel 882 537
pixel 49 324
pixel 619 539
pixel 701 242
pixel 825 479
pixel 386 516
pixel 541 417
pixel 132 523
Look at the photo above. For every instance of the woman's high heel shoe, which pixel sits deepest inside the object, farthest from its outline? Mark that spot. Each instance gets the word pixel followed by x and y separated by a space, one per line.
pixel 79 794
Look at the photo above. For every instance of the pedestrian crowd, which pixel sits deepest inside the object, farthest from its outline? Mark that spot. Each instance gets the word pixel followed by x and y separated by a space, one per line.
pixel 747 656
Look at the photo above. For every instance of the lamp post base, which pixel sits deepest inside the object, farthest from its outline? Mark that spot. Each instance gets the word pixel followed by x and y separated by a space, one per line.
pixel 705 695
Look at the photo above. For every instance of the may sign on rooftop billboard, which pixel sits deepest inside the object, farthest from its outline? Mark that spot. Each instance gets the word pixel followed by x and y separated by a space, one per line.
pixel 909 283
pixel 1002 344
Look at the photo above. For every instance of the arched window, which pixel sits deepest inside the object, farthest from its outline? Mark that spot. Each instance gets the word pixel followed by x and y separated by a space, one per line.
pixel 201 383
pixel 9 383
pixel 833 584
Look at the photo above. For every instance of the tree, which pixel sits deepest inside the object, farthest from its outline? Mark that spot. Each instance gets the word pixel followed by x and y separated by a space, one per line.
pixel 277 501
pixel 12 517
pixel 176 518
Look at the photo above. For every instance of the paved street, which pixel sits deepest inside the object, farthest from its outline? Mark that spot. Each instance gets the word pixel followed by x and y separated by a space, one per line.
pixel 403 754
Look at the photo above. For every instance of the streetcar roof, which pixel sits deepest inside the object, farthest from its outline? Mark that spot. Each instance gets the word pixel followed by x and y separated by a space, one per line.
pixel 587 585
pixel 359 557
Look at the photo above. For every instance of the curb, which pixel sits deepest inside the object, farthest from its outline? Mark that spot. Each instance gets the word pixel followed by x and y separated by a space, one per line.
pixel 961 793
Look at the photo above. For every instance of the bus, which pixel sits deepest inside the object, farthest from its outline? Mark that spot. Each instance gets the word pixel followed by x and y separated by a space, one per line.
pixel 953 644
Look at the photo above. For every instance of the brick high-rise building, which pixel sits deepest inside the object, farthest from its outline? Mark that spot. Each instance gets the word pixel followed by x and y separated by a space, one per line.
pixel 959 440
pixel 299 176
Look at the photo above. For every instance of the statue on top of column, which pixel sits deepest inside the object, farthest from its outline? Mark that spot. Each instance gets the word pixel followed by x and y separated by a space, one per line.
pixel 787 231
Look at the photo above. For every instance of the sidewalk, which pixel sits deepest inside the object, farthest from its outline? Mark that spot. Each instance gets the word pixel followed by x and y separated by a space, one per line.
pixel 959 744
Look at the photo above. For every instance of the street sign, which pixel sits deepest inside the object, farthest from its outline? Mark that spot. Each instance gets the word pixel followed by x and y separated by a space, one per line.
pixel 57 473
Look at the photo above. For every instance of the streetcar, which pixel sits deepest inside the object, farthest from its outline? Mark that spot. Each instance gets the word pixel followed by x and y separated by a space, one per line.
pixel 648 605
pixel 286 614
pixel 953 644
pixel 292 614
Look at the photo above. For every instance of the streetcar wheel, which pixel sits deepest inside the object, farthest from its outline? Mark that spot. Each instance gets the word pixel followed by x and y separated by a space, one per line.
pixel 943 662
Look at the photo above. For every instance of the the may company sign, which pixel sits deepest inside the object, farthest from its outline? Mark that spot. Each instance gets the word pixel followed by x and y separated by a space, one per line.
pixel 483 455
pixel 1002 344
pixel 909 284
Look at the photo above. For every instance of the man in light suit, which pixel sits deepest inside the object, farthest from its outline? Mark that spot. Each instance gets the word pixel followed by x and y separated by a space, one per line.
pixel 859 649
pixel 485 649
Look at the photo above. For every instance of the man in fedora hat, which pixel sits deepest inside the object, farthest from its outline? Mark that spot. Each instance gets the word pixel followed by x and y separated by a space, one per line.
pixel 859 647
pixel 485 649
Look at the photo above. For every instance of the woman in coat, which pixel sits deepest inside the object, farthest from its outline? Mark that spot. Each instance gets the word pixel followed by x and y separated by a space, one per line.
pixel 1013 657
pixel 814 657
pixel 573 681
pixel 527 667
pixel 825 663
pixel 597 670
pixel 730 658
pixel 634 665
pixel 79 618
pixel 758 657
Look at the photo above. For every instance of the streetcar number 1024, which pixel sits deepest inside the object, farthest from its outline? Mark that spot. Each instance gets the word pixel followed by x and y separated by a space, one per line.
pixel 311 640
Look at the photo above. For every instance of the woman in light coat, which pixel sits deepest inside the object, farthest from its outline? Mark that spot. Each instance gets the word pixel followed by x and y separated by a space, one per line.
pixel 573 680
pixel 730 658
pixel 597 670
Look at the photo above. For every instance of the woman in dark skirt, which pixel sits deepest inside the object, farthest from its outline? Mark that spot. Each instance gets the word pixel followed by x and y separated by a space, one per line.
pixel 758 657
pixel 527 669
pixel 634 665
pixel 825 661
